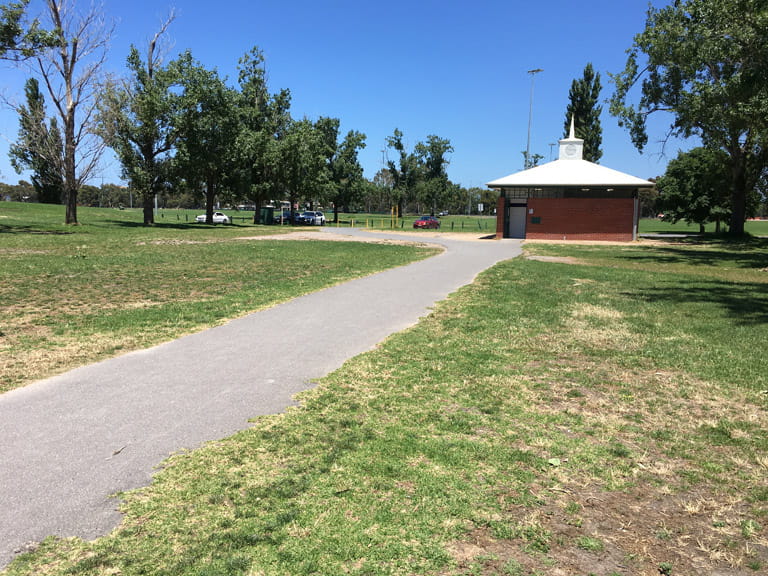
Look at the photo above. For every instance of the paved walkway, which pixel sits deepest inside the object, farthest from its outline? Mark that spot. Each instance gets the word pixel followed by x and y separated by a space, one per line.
pixel 71 441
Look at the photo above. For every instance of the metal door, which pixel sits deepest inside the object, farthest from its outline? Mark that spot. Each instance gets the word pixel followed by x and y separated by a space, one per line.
pixel 517 217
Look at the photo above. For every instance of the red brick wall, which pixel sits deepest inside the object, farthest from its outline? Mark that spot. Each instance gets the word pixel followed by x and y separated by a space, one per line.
pixel 501 208
pixel 581 219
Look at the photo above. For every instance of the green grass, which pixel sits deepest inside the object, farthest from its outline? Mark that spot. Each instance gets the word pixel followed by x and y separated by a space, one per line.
pixel 385 222
pixel 547 417
pixel 656 226
pixel 76 294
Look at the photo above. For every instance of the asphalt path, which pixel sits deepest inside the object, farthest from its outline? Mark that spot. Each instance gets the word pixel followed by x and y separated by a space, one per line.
pixel 69 443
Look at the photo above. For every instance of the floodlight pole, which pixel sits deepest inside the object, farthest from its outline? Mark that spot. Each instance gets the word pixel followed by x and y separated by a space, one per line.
pixel 528 162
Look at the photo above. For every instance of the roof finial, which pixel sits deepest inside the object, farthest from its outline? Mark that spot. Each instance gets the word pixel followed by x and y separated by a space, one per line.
pixel 572 135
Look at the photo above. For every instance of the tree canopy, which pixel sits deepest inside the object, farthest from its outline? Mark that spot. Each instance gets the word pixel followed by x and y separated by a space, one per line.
pixel 695 187
pixel 138 118
pixel 584 109
pixel 705 63
pixel 208 128
pixel 20 39
pixel 182 133
pixel 39 146
pixel 346 173
pixel 432 158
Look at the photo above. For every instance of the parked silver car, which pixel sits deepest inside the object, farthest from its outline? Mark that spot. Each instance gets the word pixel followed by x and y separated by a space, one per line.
pixel 313 218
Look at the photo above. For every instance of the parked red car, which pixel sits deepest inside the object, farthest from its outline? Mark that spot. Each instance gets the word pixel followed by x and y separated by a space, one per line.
pixel 427 222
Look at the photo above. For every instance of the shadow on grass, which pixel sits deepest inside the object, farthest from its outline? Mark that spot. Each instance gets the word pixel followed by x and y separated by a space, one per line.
pixel 4 229
pixel 161 225
pixel 745 303
pixel 748 253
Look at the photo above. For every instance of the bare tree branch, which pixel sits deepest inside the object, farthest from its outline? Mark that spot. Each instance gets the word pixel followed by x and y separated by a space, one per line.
pixel 72 72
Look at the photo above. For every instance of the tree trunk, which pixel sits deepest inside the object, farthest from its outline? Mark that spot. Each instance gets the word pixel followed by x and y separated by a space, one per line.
pixel 258 200
pixel 210 196
pixel 70 179
pixel 738 212
pixel 71 213
pixel 149 209
pixel 738 194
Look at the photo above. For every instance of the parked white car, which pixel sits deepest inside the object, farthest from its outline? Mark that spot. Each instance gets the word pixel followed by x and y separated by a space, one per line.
pixel 218 218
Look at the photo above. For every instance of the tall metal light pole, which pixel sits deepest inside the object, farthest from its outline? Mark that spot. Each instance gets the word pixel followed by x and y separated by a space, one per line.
pixel 528 162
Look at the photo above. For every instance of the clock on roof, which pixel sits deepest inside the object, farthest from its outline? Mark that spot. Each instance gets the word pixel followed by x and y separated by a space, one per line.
pixel 571 150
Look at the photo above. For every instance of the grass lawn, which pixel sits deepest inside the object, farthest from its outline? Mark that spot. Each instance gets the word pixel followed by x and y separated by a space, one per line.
pixel 655 226
pixel 73 295
pixel 584 410
pixel 450 223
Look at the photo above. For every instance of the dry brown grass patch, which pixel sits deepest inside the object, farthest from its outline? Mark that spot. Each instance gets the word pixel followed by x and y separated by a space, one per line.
pixel 639 529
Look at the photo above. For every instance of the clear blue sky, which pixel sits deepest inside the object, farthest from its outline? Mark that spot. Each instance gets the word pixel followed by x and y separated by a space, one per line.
pixel 457 69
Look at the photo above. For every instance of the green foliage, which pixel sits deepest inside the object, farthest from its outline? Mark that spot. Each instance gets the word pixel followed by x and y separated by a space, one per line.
pixel 404 173
pixel 346 173
pixel 39 147
pixel 20 39
pixel 208 126
pixel 419 175
pixel 704 63
pixel 302 156
pixel 431 155
pixel 695 187
pixel 138 121
pixel 590 544
pixel 264 119
pixel 584 109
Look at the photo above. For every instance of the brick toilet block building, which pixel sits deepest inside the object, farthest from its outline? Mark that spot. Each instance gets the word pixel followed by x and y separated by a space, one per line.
pixel 569 199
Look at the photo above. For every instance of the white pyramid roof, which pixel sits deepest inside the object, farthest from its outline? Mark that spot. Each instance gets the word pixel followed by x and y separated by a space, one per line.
pixel 564 172
pixel 570 170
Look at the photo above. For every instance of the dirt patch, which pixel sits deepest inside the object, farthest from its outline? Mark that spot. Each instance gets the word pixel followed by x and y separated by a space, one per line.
pixel 639 242
pixel 307 235
pixel 559 259
pixel 461 236
pixel 297 236
pixel 641 531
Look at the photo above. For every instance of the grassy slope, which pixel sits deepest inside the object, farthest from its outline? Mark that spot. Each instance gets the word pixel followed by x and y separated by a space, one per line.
pixel 604 415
